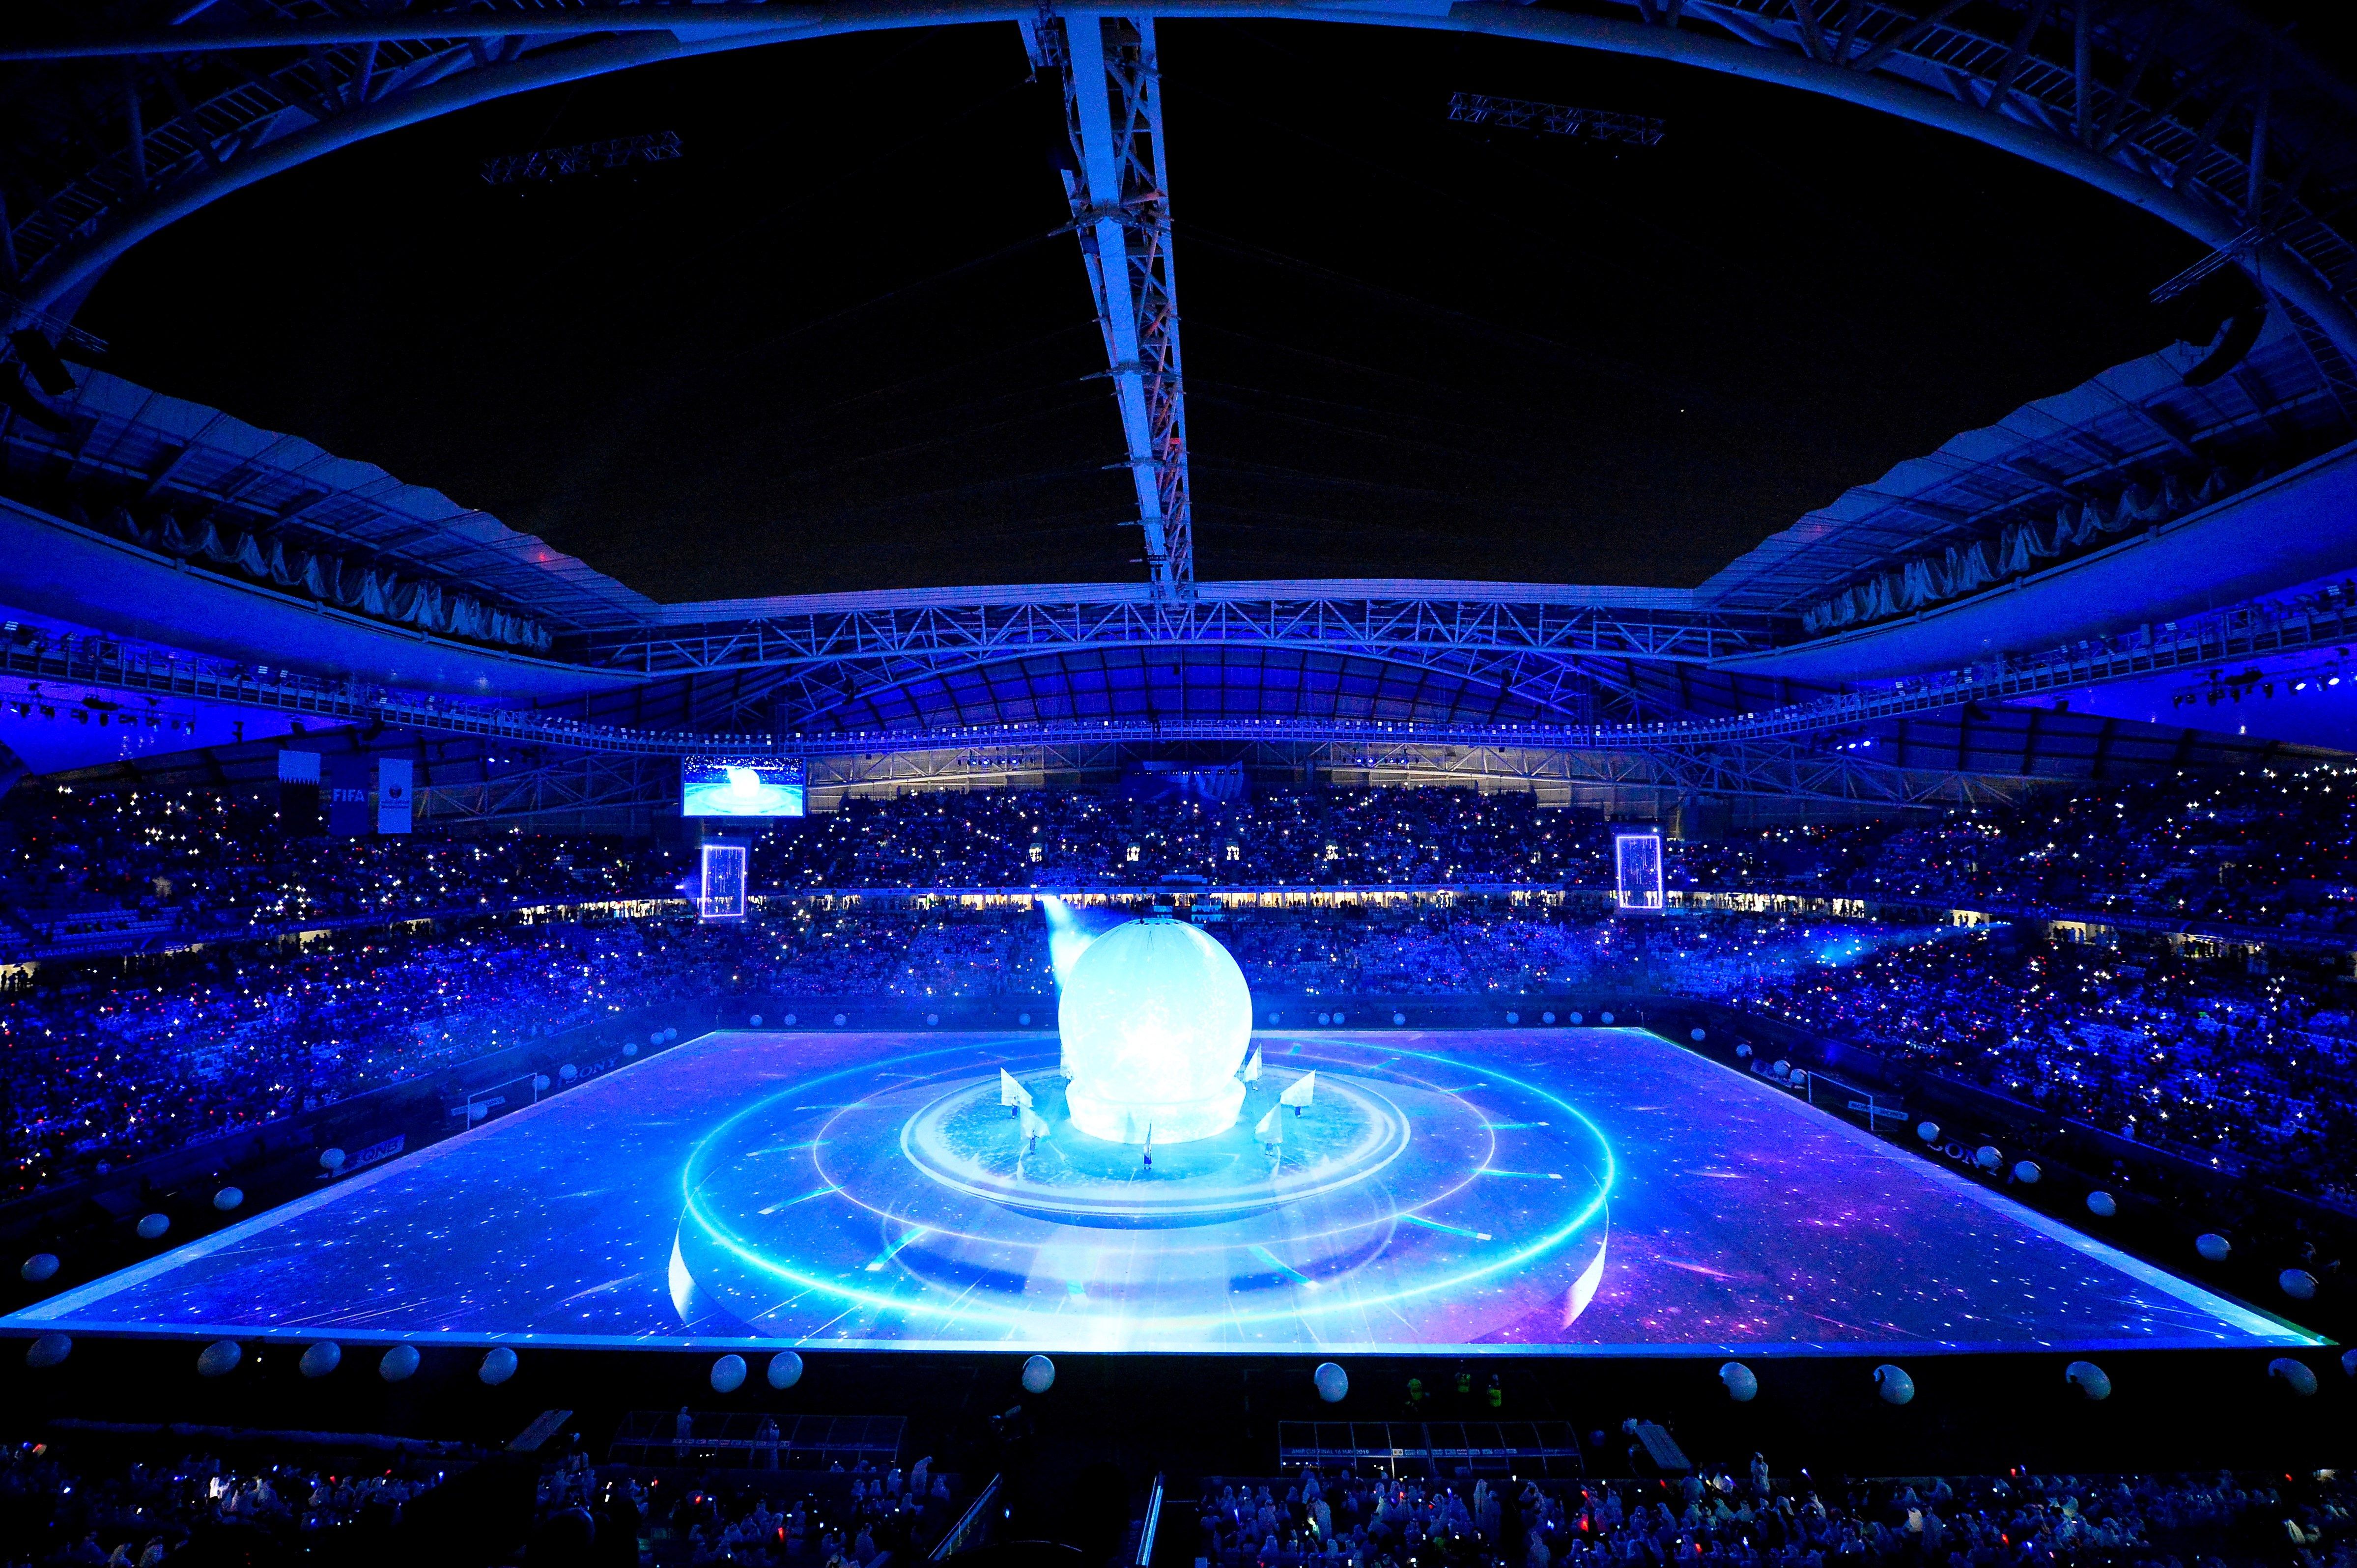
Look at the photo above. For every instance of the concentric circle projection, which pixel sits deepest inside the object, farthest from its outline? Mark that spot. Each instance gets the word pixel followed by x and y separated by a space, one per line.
pixel 1418 1200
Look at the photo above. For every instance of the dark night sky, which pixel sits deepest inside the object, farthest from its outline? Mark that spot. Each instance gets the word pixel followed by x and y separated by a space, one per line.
pixel 840 344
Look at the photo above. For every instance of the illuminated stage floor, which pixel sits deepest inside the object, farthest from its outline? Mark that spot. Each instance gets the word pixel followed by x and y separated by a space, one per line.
pixel 1558 1190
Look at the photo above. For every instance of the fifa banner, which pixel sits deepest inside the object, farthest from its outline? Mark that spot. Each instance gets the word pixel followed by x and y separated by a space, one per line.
pixel 298 793
pixel 393 804
pixel 346 788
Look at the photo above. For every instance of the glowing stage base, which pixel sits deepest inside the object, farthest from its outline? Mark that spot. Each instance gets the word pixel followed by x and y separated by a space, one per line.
pixel 1566 1191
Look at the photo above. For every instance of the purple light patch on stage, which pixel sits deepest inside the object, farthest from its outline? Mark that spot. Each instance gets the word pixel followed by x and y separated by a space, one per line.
pixel 1557 1190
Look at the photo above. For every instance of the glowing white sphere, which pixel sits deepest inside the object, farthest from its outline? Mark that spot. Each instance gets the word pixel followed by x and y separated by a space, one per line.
pixel 1893 1383
pixel 2025 1172
pixel 2212 1246
pixel 228 1197
pixel 785 1369
pixel 728 1374
pixel 153 1226
pixel 1989 1158
pixel 219 1358
pixel 1742 1382
pixel 1332 1381
pixel 40 1266
pixel 2101 1205
pixel 1155 1019
pixel 1038 1375
pixel 1928 1130
pixel 498 1365
pixel 331 1159
pixel 398 1363
pixel 321 1358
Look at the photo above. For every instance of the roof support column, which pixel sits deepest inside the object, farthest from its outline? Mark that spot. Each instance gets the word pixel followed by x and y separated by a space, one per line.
pixel 1120 201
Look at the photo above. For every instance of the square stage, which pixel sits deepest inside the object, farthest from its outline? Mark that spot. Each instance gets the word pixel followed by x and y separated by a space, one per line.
pixel 1566 1191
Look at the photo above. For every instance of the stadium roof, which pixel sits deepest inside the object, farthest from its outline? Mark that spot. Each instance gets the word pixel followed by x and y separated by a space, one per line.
pixel 184 454
pixel 2135 421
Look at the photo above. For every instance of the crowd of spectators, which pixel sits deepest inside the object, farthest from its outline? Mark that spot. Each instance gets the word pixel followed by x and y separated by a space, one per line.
pixel 2268 850
pixel 91 1510
pixel 107 1061
pixel 1758 1520
pixel 142 1513
pixel 2241 1070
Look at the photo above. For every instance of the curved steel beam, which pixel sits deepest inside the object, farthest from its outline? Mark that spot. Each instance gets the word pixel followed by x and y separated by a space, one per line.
pixel 1982 113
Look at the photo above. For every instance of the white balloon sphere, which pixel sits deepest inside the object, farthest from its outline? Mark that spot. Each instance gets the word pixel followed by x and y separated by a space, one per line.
pixel 632 1050
pixel 1514 1017
pixel 47 1350
pixel 2349 1363
pixel 1399 1018
pixel 2294 1375
pixel 1605 1019
pixel 321 1358
pixel 1024 1019
pixel 933 1019
pixel 1338 1017
pixel 1332 1381
pixel 1988 1156
pixel 1549 1018
pixel 1742 1382
pixel 569 1072
pixel 1576 1018
pixel 1697 1036
pixel 398 1363
pixel 331 1159
pixel 785 1369
pixel 1155 1019
pixel 541 1083
pixel 2212 1246
pixel 670 1033
pixel 2101 1205
pixel 229 1198
pixel 1780 1068
pixel 2027 1173
pixel 838 1019
pixel 219 1358
pixel 2297 1284
pixel 655 1038
pixel 1893 1383
pixel 477 1111
pixel 153 1226
pixel 1326 1017
pixel 728 1374
pixel 789 1020
pixel 498 1366
pixel 1743 1053
pixel 756 1020
pixel 1928 1130
pixel 2089 1379
pixel 39 1267
pixel 1038 1375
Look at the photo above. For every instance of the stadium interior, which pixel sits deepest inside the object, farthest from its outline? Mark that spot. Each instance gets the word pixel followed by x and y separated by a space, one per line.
pixel 1701 904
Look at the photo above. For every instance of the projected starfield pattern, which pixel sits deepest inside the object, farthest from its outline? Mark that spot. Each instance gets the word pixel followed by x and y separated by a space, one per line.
pixel 1561 1190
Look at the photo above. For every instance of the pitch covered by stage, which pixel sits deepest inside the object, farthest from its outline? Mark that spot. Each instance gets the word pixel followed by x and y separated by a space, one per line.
pixel 1560 1190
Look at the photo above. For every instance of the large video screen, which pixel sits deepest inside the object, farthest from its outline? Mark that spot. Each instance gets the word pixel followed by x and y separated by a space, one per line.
pixel 730 787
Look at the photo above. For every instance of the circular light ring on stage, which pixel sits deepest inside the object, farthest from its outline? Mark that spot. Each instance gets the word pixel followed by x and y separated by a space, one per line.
pixel 961 1140
pixel 1491 1212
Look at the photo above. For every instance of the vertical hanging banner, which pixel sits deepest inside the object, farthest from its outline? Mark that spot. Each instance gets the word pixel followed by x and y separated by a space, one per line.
pixel 346 788
pixel 392 805
pixel 298 793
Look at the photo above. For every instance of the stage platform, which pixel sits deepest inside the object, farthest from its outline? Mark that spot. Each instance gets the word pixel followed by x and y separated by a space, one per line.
pixel 1549 1191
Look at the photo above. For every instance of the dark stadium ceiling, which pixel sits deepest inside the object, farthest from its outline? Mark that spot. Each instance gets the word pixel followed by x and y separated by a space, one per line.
pixel 840 342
